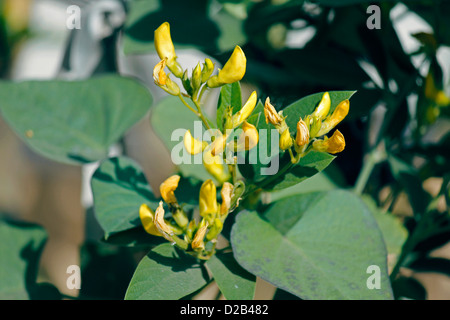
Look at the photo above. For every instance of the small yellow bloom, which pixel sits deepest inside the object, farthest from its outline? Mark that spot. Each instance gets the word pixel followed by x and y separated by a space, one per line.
pixel 208 200
pixel 147 217
pixel 215 166
pixel 160 223
pixel 271 114
pixel 168 187
pixel 219 144
pixel 332 121
pixel 226 193
pixel 162 79
pixel 245 111
pixel 197 242
pixel 285 140
pixel 166 50
pixel 208 69
pixel 249 137
pixel 323 108
pixel 302 137
pixel 233 70
pixel 333 145
pixel 192 145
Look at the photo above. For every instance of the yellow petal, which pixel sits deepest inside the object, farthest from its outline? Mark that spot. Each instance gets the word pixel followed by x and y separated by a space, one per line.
pixel 323 108
pixel 226 193
pixel 215 166
pixel 249 137
pixel 168 187
pixel 234 69
pixel 332 121
pixel 197 242
pixel 147 219
pixel 160 223
pixel 208 199
pixel 218 145
pixel 333 145
pixel 159 76
pixel 163 42
pixel 192 145
pixel 245 111
pixel 302 137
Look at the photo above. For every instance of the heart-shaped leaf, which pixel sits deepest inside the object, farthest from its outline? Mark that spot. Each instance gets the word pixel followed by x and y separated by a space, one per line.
pixel 165 273
pixel 73 121
pixel 315 246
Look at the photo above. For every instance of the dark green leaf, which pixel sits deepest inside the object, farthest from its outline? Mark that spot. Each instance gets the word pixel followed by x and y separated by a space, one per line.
pixel 230 96
pixel 234 282
pixel 166 274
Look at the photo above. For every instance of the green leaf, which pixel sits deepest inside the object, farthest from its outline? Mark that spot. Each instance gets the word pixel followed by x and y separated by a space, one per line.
pixel 234 282
pixel 119 187
pixel 394 232
pixel 73 121
pixel 165 273
pixel 286 174
pixel 315 246
pixel 21 245
pixel 230 96
pixel 170 119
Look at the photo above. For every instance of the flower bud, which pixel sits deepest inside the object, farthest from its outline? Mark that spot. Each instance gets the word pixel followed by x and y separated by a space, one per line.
pixel 197 77
pixel 245 111
pixel 208 69
pixel 323 108
pixel 271 114
pixel 215 229
pixel 332 145
pixel 302 137
pixel 166 50
pixel 233 70
pixel 208 200
pixel 168 187
pixel 285 140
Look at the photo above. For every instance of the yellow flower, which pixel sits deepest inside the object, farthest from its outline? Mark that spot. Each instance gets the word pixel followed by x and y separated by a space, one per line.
pixel 147 217
pixel 249 137
pixel 192 145
pixel 208 200
pixel 168 187
pixel 271 114
pixel 208 69
pixel 166 50
pixel 233 70
pixel 285 140
pixel 302 137
pixel 160 223
pixel 215 166
pixel 219 144
pixel 332 121
pixel 197 242
pixel 333 145
pixel 226 193
pixel 245 111
pixel 162 79
pixel 323 108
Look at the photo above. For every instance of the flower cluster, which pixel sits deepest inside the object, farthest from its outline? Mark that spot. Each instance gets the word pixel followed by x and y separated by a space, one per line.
pixel 315 125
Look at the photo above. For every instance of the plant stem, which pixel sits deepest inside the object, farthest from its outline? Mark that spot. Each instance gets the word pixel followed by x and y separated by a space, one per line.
pixel 186 104
pixel 201 115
